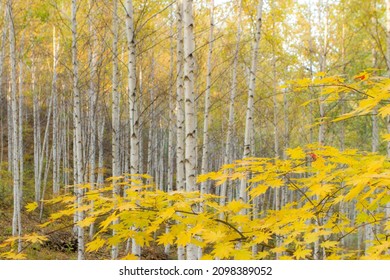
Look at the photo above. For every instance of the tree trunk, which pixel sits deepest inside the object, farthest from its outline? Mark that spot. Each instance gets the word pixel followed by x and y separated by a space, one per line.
pixel 116 172
pixel 77 130
pixel 180 168
pixel 190 121
pixel 251 91
pixel 56 156
pixel 205 148
pixel 229 136
pixel 16 222
pixel 133 106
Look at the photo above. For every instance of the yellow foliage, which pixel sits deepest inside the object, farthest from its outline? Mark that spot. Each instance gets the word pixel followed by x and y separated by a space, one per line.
pixel 321 177
pixel 95 244
pixel 31 206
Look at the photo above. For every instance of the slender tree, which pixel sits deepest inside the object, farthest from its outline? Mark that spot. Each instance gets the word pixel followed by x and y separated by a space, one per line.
pixel 251 92
pixel 16 220
pixel 77 131
pixel 190 120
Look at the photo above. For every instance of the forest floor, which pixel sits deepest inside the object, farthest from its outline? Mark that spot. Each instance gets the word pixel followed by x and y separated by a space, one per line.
pixel 61 244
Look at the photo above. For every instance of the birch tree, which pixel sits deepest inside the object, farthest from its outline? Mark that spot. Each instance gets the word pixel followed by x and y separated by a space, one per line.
pixel 251 91
pixel 233 89
pixel 180 166
pixel 189 108
pixel 205 148
pixel 56 154
pixel 16 219
pixel 77 131
pixel 133 106
pixel 115 115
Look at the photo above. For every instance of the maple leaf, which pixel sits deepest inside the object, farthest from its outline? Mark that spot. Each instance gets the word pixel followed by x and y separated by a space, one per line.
pixel 165 239
pixel 206 257
pixel 223 250
pixel 296 153
pixel 130 257
pixel 258 190
pixel 31 206
pixel 13 256
pixel 35 238
pixel 301 253
pixel 236 206
pixel 242 254
pixel 95 245
pixel 262 255
pixel 213 236
pixel 86 222
pixel 262 236
pixel 328 244
pixel 167 213
pixel 183 238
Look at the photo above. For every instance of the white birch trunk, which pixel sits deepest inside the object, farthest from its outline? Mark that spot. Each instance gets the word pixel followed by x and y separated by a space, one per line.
pixel 77 130
pixel 115 117
pixel 92 105
pixel 180 168
pixel 190 120
pixel 56 156
pixel 16 229
pixel 133 106
pixel 249 110
pixel 229 136
pixel 180 177
pixel 171 124
pixel 20 128
pixel 205 148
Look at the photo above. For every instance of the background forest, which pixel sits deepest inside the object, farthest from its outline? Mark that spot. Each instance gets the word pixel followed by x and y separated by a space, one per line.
pixel 240 129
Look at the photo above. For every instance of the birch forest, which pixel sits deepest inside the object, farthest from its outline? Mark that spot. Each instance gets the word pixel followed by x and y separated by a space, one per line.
pixel 186 130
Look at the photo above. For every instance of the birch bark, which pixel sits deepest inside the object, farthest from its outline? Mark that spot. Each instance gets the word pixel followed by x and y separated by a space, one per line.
pixel 133 102
pixel 251 90
pixel 190 120
pixel 115 117
pixel 77 130
pixel 16 223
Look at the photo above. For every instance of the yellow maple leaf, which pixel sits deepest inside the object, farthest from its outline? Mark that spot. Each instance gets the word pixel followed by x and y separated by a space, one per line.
pixel 108 221
pixel 296 153
pixel 213 236
pixel 13 256
pixel 328 244
pixel 258 190
pixel 262 236
pixel 183 238
pixel 311 237
pixel 242 254
pixel 95 245
pixel 206 257
pixel 86 222
pixel 165 239
pixel 130 257
pixel 236 206
pixel 167 213
pixel 31 206
pixel 223 250
pixel 279 249
pixel 198 228
pixel 262 255
pixel 35 238
pixel 301 253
